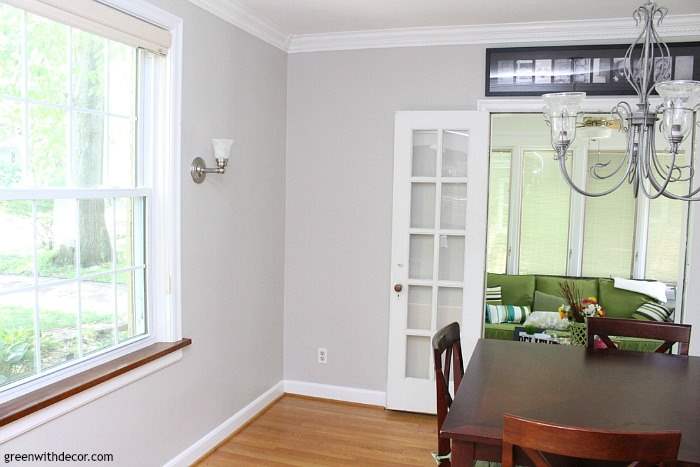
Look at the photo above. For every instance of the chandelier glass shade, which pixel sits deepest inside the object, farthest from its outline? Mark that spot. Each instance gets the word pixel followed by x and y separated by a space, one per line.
pixel 641 166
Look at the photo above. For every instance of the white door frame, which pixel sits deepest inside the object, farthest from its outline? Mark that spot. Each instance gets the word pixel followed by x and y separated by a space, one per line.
pixel 686 299
pixel 419 395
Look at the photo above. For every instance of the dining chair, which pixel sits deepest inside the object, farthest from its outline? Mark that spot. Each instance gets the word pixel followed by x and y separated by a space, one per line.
pixel 446 341
pixel 670 333
pixel 537 439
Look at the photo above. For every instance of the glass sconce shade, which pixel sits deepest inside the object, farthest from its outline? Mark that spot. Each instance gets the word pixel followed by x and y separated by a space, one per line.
pixel 679 100
pixel 563 103
pixel 222 148
pixel 561 110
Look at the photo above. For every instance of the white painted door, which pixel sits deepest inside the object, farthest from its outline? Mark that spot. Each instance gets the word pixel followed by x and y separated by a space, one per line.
pixel 438 245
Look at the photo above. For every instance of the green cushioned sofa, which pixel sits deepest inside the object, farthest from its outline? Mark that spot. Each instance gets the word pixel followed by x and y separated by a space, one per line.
pixel 521 289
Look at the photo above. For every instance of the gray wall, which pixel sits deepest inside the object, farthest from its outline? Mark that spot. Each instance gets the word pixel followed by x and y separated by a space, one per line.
pixel 340 122
pixel 232 261
pixel 340 143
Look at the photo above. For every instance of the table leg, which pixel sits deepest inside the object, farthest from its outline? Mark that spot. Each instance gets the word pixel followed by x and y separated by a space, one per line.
pixel 462 453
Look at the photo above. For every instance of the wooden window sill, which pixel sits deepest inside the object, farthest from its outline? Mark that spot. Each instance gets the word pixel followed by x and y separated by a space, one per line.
pixel 34 401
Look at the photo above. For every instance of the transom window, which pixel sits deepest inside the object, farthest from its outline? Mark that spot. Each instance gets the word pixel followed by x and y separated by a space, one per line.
pixel 75 194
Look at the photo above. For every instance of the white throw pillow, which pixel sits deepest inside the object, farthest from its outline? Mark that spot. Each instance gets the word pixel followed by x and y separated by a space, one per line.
pixel 547 320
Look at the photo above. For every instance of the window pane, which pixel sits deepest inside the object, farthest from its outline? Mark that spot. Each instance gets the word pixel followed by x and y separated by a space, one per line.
pixel 11 143
pixel 10 50
pixel 420 262
pixel 120 167
pixel 420 307
pixel 499 205
pixel 665 234
pixel 122 78
pixel 16 245
pixel 48 146
pixel 56 239
pixel 88 74
pixel 47 52
pixel 449 307
pixel 544 228
pixel 16 336
pixel 131 304
pixel 58 322
pixel 97 302
pixel 96 235
pixel 608 238
pixel 417 357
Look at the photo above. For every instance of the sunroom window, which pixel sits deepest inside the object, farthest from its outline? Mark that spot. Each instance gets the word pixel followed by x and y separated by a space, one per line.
pixel 75 194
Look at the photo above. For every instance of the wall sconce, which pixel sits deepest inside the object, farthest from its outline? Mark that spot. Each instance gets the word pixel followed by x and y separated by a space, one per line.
pixel 222 152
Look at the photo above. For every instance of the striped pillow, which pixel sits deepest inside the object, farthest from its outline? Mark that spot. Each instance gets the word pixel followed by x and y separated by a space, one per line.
pixel 651 311
pixel 493 294
pixel 496 314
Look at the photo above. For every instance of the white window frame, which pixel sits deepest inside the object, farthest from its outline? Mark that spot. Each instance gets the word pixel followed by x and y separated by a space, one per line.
pixel 164 230
pixel 577 206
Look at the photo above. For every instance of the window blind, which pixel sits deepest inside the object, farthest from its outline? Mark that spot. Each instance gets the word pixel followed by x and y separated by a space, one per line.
pixel 101 19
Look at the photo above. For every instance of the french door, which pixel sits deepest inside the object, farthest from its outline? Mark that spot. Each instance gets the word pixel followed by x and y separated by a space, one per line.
pixel 438 244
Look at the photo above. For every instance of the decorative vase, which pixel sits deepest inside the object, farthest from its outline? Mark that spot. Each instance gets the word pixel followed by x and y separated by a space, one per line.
pixel 579 334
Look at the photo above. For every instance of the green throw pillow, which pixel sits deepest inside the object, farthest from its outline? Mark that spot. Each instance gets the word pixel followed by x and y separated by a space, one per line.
pixel 506 314
pixel 547 302
pixel 515 290
pixel 551 285
pixel 619 303
pixel 651 311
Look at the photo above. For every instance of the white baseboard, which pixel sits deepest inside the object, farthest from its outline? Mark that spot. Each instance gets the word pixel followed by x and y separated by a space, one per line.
pixel 223 431
pixel 339 393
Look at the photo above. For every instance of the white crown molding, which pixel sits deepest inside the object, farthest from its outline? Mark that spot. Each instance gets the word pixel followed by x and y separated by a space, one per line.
pixel 233 13
pixel 674 27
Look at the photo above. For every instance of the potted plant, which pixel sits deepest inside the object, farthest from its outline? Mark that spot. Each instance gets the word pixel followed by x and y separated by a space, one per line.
pixel 577 310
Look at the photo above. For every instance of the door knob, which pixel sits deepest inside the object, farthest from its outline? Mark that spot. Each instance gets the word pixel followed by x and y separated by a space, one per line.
pixel 398 288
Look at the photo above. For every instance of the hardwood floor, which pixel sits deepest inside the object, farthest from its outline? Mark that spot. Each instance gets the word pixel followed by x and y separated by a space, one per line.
pixel 299 431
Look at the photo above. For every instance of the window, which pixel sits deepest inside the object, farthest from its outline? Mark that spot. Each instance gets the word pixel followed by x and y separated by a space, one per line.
pixel 539 225
pixel 76 192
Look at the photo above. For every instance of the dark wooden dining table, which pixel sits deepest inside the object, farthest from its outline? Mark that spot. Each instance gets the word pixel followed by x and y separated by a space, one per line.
pixel 605 389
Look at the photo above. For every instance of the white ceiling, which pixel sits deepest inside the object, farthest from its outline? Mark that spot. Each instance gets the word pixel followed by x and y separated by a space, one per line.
pixel 293 17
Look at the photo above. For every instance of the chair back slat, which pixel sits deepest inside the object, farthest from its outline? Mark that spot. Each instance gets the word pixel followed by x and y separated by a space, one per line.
pixel 537 439
pixel 447 348
pixel 670 333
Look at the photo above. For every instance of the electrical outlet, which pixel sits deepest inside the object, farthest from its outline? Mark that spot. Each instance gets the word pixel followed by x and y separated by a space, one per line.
pixel 322 355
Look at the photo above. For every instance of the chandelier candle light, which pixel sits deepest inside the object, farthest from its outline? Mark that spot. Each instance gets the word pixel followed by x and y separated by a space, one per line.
pixel 641 165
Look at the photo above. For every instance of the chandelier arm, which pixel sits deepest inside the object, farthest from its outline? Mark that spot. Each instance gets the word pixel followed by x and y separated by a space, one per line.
pixel 660 187
pixel 600 165
pixel 572 184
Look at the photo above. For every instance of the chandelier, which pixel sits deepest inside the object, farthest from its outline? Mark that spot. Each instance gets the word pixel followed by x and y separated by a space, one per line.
pixel 640 166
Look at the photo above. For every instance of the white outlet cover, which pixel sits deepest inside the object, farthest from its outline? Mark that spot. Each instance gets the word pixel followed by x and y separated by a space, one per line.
pixel 322 355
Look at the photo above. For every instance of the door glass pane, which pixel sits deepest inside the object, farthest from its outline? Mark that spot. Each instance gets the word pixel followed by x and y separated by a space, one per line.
pixel 424 153
pixel 451 258
pixel 544 224
pixel 449 308
pixel 417 357
pixel 499 205
pixel 58 321
pixel 97 313
pixel 608 236
pixel 665 235
pixel 421 257
pixel 423 205
pixel 16 336
pixel 454 153
pixel 420 307
pixel 453 211
pixel 16 243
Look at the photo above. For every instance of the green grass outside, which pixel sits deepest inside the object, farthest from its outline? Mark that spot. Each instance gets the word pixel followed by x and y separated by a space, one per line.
pixel 14 318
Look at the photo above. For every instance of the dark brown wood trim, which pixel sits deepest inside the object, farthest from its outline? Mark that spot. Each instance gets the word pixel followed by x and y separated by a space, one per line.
pixel 43 397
